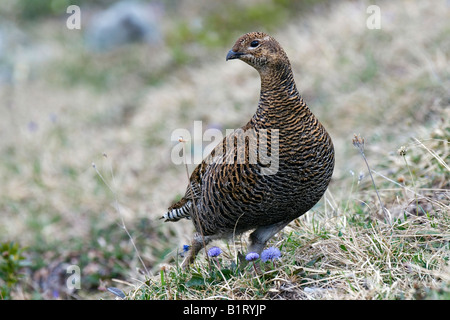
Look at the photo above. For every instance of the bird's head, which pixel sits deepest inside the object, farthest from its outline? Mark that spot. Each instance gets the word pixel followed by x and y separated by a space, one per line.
pixel 259 50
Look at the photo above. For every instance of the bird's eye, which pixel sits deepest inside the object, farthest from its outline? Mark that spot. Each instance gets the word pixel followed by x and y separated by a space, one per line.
pixel 254 43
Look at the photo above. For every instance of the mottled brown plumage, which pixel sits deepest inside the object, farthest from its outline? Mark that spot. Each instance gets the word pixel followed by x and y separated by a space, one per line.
pixel 270 171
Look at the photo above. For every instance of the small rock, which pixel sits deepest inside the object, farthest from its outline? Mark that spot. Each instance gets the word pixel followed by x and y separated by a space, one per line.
pixel 123 23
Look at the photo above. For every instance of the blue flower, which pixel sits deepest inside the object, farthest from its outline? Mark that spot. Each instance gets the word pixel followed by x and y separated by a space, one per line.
pixel 271 253
pixel 214 252
pixel 185 249
pixel 251 256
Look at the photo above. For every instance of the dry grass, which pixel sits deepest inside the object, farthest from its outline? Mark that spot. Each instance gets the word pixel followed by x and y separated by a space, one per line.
pixel 344 250
pixel 350 254
pixel 65 111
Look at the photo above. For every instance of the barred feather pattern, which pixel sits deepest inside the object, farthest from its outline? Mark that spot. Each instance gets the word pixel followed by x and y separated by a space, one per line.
pixel 181 211
pixel 232 197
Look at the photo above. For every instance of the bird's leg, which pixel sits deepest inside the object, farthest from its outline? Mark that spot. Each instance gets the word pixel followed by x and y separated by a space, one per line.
pixel 198 242
pixel 261 235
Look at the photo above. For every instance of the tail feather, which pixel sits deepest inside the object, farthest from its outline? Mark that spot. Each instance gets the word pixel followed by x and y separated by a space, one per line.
pixel 180 210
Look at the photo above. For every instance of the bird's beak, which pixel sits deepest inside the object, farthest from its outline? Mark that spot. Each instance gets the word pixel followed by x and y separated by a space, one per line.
pixel 233 55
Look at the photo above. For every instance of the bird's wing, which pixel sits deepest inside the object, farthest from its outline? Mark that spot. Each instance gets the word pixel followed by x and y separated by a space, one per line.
pixel 229 170
pixel 182 208
pixel 231 167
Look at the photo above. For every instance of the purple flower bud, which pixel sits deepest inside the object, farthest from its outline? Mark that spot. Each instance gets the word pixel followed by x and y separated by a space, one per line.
pixel 271 253
pixel 252 256
pixel 32 126
pixel 214 252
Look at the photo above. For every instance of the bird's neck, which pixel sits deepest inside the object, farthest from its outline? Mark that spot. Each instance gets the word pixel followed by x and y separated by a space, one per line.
pixel 279 96
pixel 276 77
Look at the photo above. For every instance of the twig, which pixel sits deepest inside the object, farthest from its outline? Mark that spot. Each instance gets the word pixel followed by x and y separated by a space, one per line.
pixel 117 207
pixel 434 154
pixel 358 142
pixel 402 153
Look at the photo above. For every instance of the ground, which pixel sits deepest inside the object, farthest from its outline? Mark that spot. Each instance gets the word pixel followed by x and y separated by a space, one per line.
pixel 87 138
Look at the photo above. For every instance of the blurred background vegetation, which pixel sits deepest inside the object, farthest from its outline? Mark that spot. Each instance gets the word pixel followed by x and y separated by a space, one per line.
pixel 87 115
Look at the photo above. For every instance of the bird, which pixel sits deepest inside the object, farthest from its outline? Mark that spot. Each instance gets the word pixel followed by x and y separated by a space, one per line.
pixel 266 173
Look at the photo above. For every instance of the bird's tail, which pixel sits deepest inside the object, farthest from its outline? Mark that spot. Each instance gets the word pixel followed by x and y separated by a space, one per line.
pixel 180 210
